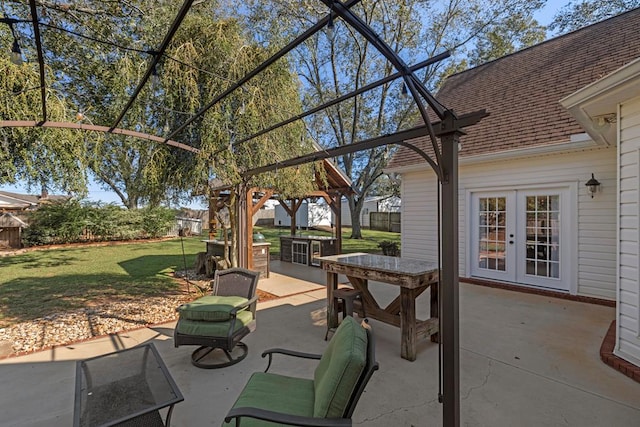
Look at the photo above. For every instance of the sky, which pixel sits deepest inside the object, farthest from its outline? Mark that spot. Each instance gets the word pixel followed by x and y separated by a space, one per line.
pixel 96 193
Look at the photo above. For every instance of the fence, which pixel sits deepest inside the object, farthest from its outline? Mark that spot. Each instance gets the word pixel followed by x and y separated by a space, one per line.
pixel 189 226
pixel 385 221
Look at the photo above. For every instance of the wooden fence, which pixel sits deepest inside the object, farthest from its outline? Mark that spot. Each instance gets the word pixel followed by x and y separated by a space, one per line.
pixel 385 221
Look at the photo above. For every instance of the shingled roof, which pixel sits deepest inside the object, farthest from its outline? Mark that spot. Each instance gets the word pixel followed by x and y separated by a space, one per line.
pixel 521 91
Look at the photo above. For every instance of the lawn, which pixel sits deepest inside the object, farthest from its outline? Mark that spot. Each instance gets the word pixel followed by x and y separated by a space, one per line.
pixel 43 282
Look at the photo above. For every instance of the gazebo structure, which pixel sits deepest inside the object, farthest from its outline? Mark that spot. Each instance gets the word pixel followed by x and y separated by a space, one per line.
pixel 443 134
pixel 251 199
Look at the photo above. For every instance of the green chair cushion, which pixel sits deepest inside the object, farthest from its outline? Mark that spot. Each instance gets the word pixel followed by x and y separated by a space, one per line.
pixel 211 308
pixel 278 393
pixel 340 367
pixel 213 329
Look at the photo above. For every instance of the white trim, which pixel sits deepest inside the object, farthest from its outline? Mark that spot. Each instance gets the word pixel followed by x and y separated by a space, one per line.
pixel 572 145
pixel 626 356
pixel 616 346
pixel 577 142
pixel 570 188
pixel 603 86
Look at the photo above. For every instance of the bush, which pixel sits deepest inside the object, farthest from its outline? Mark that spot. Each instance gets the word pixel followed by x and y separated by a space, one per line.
pixel 70 221
pixel 389 248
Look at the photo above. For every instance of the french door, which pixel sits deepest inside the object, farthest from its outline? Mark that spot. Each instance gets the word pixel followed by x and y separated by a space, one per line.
pixel 522 236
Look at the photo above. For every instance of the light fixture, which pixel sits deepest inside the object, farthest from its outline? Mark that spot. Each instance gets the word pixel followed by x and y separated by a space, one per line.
pixel 155 79
pixel 16 53
pixel 80 116
pixel 592 185
pixel 331 27
pixel 603 121
pixel 405 91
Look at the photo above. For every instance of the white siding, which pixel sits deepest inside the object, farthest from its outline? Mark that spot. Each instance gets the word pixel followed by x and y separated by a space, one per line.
pixel 595 238
pixel 628 325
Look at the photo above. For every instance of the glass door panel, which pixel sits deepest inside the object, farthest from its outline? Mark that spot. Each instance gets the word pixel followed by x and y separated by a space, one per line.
pixel 492 238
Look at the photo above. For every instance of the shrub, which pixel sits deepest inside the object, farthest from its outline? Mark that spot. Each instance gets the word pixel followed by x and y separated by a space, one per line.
pixel 389 248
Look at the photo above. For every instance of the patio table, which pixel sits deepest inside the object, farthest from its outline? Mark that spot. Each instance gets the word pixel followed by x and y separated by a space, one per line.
pixel 125 388
pixel 413 277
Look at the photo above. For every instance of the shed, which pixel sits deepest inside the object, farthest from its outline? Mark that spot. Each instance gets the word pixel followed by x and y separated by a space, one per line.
pixel 11 231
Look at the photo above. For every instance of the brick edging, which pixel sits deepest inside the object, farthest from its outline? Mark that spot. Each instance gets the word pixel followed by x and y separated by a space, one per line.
pixel 617 363
pixel 537 291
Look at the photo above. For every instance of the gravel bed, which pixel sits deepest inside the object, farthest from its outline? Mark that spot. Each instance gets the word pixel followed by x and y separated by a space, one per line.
pixel 86 323
pixel 107 318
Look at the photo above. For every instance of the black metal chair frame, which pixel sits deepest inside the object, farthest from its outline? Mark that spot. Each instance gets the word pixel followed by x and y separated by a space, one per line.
pixel 225 283
pixel 296 420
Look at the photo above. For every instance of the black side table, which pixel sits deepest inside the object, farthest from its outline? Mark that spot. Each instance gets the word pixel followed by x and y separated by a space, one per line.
pixel 124 388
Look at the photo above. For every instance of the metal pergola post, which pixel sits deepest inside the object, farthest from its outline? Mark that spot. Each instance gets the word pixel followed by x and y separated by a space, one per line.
pixel 449 291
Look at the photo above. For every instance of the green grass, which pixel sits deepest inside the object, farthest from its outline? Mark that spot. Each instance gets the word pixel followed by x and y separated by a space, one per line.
pixel 43 282
pixel 40 283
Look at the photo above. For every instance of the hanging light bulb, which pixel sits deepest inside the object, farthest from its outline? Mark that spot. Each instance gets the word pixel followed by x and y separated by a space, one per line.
pixel 79 116
pixel 166 129
pixel 331 27
pixel 405 91
pixel 16 53
pixel 155 79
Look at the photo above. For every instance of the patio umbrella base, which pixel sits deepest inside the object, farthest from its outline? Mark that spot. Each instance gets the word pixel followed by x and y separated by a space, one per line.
pixel 213 358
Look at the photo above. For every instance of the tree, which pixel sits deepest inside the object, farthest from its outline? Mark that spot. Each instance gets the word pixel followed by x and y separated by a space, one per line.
pixel 47 158
pixel 578 14
pixel 331 66
pixel 99 51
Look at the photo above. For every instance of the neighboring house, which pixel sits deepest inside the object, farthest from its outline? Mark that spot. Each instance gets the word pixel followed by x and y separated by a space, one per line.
pixel 14 208
pixel 557 116
pixel 15 202
pixel 371 204
pixel 309 215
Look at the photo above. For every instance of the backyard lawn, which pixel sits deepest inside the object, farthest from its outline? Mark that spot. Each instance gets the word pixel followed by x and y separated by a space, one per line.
pixel 40 283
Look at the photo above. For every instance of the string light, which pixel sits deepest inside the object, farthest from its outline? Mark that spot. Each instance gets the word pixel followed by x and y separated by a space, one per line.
pixel 16 53
pixel 331 28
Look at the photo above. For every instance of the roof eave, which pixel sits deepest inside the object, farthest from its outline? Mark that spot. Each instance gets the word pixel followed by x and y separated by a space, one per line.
pixel 595 106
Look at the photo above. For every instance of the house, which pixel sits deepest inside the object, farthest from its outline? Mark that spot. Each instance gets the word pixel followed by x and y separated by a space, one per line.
pixel 14 209
pixel 563 114
pixel 16 202
pixel 309 215
pixel 371 204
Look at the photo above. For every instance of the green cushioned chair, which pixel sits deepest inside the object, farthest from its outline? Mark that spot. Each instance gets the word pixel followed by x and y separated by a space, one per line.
pixel 328 399
pixel 216 323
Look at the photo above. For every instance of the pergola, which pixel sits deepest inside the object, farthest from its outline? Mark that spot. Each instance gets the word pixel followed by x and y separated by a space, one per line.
pixel 442 157
pixel 334 185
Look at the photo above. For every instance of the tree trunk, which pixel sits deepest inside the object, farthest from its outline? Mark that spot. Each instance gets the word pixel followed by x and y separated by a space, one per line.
pixel 355 207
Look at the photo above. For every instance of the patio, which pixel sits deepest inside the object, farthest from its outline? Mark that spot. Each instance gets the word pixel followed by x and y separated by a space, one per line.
pixel 526 360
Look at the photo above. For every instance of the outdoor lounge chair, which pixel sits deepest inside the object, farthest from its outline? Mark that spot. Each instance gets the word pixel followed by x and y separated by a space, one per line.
pixel 217 322
pixel 328 399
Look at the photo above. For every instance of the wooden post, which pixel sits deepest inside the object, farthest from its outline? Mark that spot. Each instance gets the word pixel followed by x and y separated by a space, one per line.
pixel 249 227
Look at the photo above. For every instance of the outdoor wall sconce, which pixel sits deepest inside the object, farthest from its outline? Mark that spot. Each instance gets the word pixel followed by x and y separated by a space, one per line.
pixel 592 185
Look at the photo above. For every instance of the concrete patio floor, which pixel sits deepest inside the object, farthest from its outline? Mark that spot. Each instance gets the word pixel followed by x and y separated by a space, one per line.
pixel 526 360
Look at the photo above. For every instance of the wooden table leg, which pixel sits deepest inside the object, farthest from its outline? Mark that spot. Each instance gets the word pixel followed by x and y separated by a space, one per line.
pixel 407 324
pixel 332 310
